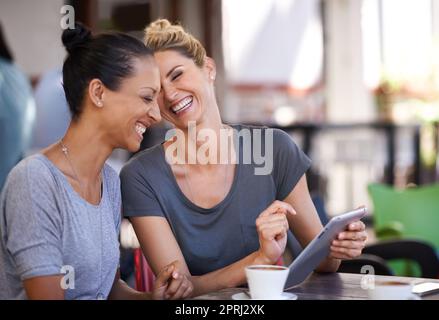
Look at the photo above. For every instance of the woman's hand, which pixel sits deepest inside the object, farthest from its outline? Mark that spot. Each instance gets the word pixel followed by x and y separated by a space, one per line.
pixel 272 227
pixel 172 284
pixel 349 243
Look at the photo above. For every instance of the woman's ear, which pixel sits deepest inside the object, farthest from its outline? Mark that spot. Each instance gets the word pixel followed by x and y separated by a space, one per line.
pixel 210 67
pixel 96 92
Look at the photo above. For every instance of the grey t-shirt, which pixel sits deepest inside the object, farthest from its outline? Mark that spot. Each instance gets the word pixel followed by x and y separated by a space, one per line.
pixel 46 228
pixel 212 238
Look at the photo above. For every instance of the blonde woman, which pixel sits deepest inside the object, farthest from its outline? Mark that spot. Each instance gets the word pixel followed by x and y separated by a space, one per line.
pixel 216 217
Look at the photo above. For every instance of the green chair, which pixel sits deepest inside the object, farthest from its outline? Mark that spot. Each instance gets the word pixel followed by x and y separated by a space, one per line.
pixel 409 213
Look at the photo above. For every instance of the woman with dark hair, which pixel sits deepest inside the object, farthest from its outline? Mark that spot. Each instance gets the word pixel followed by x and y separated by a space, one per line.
pixel 60 211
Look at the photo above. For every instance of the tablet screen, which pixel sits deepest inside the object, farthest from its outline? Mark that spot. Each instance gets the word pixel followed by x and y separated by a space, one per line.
pixel 318 249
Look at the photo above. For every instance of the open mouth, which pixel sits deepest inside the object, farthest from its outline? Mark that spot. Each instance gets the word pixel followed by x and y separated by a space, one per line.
pixel 140 129
pixel 182 105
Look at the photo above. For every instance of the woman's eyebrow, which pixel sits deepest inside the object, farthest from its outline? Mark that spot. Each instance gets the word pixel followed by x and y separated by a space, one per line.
pixel 153 89
pixel 170 71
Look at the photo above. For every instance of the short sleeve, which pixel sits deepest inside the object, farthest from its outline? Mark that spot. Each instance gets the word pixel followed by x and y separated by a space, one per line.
pixel 138 196
pixel 33 221
pixel 290 163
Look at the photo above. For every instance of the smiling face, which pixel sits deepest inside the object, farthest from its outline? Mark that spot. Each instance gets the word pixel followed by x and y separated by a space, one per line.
pixel 132 108
pixel 186 90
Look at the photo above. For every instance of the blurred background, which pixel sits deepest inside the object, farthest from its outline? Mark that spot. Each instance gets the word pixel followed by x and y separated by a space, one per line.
pixel 355 83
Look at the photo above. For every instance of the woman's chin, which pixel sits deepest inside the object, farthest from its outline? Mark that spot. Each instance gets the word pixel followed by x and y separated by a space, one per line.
pixel 190 120
pixel 133 146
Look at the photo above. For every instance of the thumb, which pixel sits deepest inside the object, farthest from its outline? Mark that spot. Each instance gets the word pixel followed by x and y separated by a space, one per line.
pixel 164 276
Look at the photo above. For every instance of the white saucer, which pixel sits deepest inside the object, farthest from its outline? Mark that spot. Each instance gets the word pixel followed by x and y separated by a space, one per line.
pixel 284 296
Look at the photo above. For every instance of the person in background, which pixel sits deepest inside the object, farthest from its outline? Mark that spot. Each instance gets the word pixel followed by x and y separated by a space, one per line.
pixel 217 217
pixel 17 111
pixel 52 111
pixel 60 210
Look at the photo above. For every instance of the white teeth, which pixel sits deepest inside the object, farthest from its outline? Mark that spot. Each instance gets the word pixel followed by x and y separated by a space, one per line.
pixel 140 128
pixel 182 104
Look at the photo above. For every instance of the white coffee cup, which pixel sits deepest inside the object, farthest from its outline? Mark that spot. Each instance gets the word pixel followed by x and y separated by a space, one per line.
pixel 266 282
pixel 391 290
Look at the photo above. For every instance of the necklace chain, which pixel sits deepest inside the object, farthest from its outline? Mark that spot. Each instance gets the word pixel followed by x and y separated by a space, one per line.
pixel 65 150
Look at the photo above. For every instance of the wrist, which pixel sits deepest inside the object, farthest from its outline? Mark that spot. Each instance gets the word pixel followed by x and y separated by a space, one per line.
pixel 261 258
pixel 329 265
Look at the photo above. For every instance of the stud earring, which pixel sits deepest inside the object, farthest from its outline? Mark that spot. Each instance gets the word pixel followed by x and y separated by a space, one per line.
pixel 99 103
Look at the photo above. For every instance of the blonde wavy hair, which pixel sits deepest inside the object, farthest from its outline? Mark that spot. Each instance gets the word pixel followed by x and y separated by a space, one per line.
pixel 161 35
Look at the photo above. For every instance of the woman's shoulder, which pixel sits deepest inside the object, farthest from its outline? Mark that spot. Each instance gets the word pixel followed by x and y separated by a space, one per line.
pixel 279 138
pixel 33 172
pixel 278 133
pixel 145 160
pixel 34 167
pixel 110 173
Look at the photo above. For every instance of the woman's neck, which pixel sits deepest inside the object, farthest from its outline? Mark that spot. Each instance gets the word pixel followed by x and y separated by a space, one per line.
pixel 87 149
pixel 210 140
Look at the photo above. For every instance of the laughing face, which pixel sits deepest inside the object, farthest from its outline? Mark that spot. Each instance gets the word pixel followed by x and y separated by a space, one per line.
pixel 133 107
pixel 186 89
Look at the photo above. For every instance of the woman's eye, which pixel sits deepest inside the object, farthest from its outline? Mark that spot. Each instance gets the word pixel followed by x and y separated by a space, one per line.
pixel 148 99
pixel 176 75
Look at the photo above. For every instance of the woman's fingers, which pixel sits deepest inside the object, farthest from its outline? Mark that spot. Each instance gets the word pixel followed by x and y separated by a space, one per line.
pixel 357 226
pixel 275 232
pixel 352 235
pixel 348 244
pixel 270 225
pixel 278 206
pixel 178 286
pixel 344 253
pixel 188 291
pixel 165 275
pixel 270 220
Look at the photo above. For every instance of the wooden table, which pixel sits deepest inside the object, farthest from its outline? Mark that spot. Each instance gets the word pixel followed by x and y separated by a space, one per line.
pixel 334 286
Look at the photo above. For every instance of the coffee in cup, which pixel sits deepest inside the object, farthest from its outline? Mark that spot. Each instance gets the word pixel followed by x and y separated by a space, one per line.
pixel 390 290
pixel 266 281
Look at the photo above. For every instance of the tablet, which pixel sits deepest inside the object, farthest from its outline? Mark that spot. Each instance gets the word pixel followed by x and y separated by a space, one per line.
pixel 318 249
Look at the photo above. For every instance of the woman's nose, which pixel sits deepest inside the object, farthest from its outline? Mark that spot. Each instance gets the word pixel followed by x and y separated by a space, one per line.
pixel 170 94
pixel 154 113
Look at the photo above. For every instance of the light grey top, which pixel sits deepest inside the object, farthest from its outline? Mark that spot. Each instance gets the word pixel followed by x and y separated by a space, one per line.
pixel 46 228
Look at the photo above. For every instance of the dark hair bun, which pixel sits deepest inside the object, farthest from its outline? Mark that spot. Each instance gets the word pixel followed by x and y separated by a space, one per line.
pixel 75 38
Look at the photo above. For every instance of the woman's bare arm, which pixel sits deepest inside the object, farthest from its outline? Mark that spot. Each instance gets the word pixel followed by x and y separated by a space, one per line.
pixel 160 248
